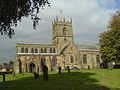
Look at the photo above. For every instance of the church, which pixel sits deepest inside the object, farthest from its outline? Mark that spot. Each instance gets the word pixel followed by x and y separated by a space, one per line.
pixel 62 52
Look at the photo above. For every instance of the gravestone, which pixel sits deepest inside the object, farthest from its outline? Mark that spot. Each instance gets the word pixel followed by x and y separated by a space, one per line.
pixel 45 72
pixel 36 75
pixel 110 65
pixel 68 68
pixel 59 68
pixel 88 67
pixel 3 77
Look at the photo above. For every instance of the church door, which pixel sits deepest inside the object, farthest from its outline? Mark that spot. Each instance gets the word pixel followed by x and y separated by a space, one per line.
pixel 32 68
pixel 54 63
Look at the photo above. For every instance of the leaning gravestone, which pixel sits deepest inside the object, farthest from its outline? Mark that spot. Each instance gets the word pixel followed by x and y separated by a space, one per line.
pixel 36 75
pixel 3 74
pixel 88 67
pixel 110 65
pixel 45 73
pixel 68 68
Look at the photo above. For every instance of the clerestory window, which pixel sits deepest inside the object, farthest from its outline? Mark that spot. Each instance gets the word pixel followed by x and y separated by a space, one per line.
pixel 22 50
pixel 26 50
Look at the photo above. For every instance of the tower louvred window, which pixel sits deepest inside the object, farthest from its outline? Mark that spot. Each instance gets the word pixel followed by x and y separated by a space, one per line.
pixel 64 31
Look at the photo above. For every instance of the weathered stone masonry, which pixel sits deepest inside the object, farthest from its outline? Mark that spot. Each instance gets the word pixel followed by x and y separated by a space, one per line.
pixel 62 52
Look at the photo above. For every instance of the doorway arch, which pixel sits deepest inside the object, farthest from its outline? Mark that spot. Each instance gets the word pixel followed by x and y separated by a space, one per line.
pixel 20 65
pixel 54 63
pixel 32 67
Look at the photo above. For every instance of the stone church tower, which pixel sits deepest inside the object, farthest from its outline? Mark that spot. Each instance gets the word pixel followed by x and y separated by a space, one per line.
pixel 62 33
pixel 62 52
pixel 63 39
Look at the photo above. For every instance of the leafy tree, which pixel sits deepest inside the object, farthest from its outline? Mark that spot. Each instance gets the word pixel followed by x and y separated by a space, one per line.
pixel 12 11
pixel 11 65
pixel 110 40
pixel 4 65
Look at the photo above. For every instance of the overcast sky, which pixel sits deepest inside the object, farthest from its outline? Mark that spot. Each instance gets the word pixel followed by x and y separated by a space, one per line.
pixel 90 18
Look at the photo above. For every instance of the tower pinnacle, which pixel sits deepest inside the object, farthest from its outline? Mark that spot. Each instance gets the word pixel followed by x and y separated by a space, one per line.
pixel 57 18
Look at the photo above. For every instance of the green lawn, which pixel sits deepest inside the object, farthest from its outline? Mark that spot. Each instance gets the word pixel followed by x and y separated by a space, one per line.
pixel 76 80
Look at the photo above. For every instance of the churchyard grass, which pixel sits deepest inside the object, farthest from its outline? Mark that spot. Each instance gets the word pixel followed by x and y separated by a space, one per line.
pixel 101 79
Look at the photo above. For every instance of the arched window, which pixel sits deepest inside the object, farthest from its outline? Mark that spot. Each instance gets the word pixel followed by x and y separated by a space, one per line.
pixel 22 50
pixel 45 50
pixel 98 58
pixel 71 59
pixel 32 50
pixel 50 50
pixel 64 31
pixel 41 50
pixel 31 68
pixel 26 50
pixel 54 61
pixel 84 59
pixel 36 50
pixel 54 51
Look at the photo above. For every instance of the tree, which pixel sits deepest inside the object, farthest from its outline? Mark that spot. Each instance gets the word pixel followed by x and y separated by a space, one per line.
pixel 12 11
pixel 11 65
pixel 110 40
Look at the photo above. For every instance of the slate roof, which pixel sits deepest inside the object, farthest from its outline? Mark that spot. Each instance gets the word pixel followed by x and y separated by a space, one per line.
pixel 87 47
